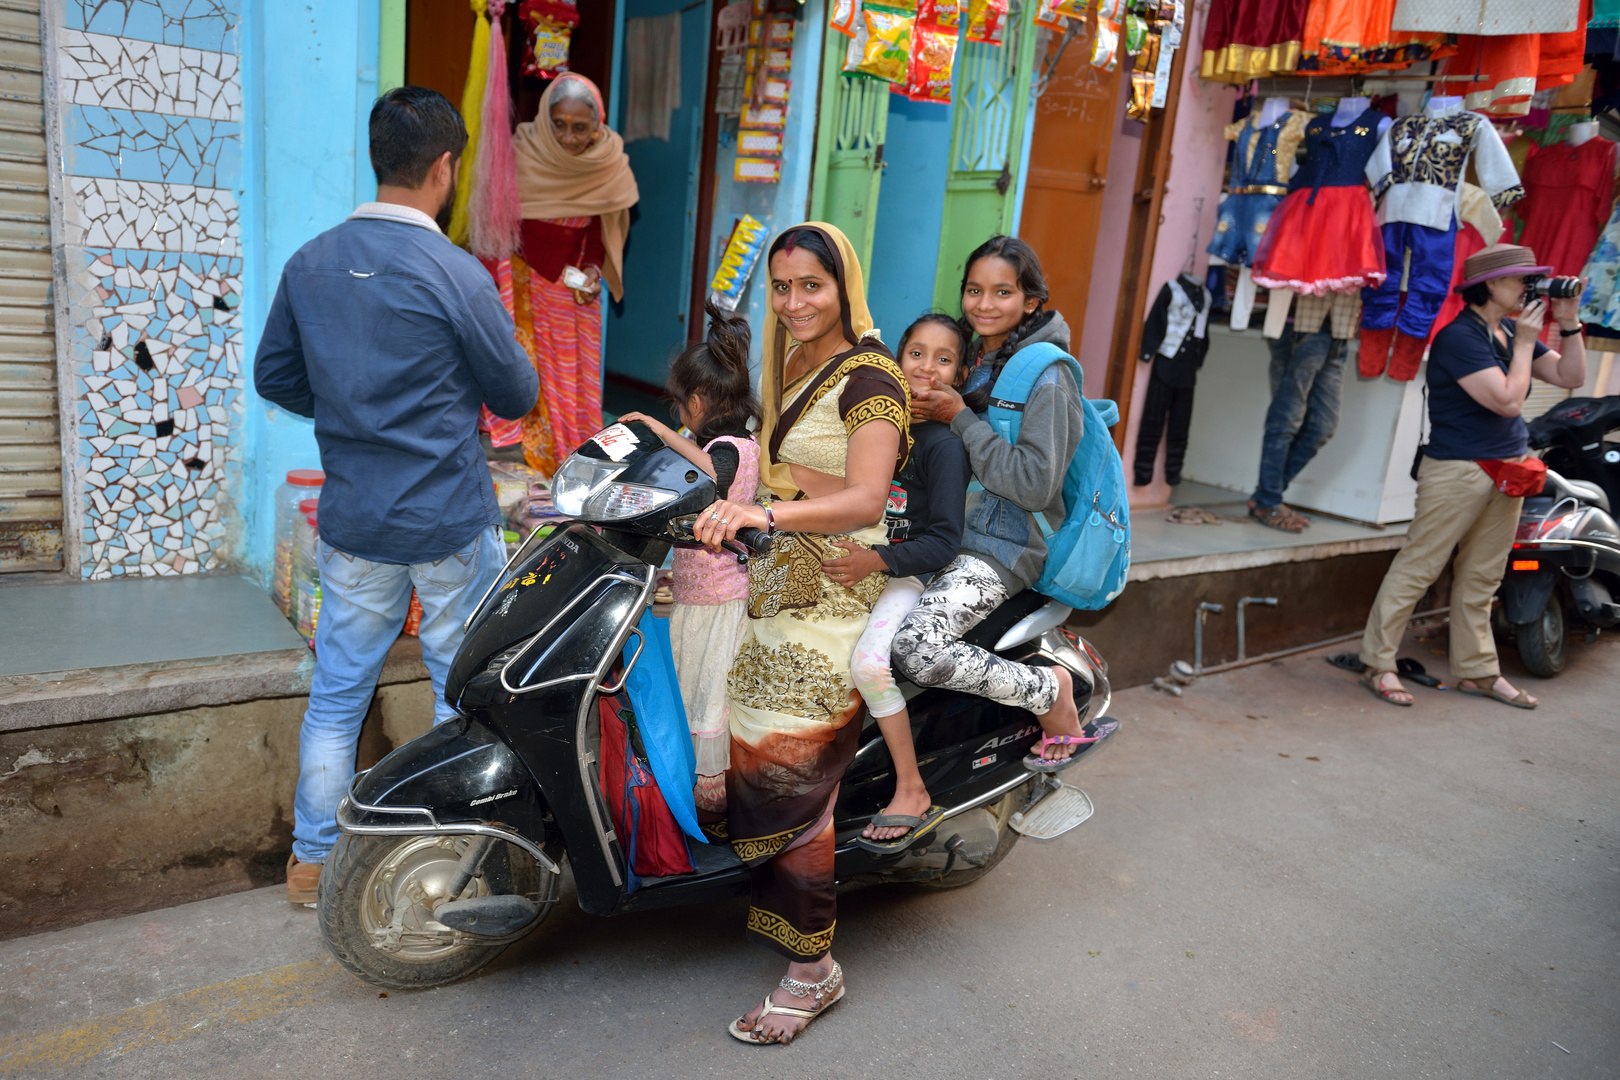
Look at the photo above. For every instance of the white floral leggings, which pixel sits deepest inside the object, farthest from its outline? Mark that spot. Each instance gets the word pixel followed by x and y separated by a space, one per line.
pixel 874 678
pixel 928 649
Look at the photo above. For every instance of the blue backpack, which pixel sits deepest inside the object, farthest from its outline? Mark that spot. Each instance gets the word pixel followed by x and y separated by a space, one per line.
pixel 1088 557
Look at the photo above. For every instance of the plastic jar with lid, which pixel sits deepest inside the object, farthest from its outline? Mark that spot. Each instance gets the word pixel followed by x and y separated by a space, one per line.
pixel 300 486
pixel 306 577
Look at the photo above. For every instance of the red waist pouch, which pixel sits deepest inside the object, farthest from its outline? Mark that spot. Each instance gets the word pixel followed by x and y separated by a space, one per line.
pixel 1517 478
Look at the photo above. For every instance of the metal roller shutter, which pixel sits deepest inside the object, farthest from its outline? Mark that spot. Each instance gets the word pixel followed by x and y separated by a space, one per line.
pixel 30 441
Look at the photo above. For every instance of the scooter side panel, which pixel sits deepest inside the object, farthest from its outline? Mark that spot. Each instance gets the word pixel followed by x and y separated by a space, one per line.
pixel 1525 594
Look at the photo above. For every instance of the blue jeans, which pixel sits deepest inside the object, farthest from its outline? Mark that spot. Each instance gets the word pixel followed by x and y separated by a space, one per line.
pixel 363 607
pixel 1307 371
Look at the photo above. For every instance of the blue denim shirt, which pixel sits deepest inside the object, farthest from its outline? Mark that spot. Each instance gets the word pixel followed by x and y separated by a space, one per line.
pixel 391 337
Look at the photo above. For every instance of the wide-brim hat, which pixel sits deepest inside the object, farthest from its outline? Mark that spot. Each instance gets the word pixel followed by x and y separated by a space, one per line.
pixel 1499 260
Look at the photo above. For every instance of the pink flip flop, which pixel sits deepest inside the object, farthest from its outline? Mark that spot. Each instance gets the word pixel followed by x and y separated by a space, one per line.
pixel 1094 732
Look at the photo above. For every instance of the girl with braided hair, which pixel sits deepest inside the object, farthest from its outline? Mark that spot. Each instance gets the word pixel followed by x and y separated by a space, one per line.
pixel 1003 546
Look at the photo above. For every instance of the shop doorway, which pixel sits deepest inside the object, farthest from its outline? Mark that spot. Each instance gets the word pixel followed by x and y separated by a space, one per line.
pixel 849 152
pixel 1068 168
pixel 987 141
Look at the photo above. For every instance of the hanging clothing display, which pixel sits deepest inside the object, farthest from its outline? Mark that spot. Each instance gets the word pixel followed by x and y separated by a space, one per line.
pixel 1494 18
pixel 1569 191
pixel 1346 38
pixel 1600 304
pixel 1250 39
pixel 1418 168
pixel 1479 225
pixel 1499 75
pixel 1261 161
pixel 1324 236
pixel 1175 339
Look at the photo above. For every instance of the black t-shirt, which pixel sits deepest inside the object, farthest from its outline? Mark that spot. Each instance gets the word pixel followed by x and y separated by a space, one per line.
pixel 927 503
pixel 1460 428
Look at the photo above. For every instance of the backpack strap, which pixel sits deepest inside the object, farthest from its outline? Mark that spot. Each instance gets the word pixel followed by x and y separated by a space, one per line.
pixel 1017 379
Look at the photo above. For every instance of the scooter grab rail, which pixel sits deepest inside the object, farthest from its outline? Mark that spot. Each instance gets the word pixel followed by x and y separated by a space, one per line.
pixel 641 643
pixel 433 826
pixel 527 645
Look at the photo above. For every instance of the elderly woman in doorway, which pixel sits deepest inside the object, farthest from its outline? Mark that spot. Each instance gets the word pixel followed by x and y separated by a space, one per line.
pixel 576 188
pixel 1480 367
pixel 836 429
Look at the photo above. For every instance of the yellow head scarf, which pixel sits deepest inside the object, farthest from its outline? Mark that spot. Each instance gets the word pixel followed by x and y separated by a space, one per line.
pixel 857 326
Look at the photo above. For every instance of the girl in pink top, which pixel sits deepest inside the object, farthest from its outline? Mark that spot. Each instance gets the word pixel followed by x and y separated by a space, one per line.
pixel 709 382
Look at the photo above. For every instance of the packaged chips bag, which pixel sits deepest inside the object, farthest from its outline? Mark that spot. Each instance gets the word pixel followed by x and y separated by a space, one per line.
pixel 1072 9
pixel 986 20
pixel 928 75
pixel 887 50
pixel 845 14
pixel 943 14
pixel 1135 34
pixel 1113 10
pixel 1046 16
pixel 1105 46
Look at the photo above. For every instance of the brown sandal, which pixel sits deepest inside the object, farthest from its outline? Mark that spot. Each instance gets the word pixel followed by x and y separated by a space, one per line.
pixel 1281 518
pixel 1369 679
pixel 1522 701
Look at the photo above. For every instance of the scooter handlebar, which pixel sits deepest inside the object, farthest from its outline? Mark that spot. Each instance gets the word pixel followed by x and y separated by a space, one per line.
pixel 756 540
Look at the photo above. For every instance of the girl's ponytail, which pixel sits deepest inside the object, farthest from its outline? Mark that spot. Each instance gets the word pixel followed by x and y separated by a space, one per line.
pixel 716 371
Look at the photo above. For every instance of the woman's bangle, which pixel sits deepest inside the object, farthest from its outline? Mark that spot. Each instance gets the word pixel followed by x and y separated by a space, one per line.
pixel 1570 333
pixel 770 520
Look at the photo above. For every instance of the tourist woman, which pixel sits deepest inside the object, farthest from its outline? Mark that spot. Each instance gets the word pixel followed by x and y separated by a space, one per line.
pixel 576 188
pixel 835 430
pixel 1479 372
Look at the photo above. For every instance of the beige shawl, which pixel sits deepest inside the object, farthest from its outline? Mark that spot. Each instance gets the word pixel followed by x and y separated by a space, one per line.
pixel 552 183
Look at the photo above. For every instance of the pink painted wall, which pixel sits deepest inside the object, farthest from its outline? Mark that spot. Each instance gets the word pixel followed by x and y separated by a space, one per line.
pixel 1191 197
pixel 1108 258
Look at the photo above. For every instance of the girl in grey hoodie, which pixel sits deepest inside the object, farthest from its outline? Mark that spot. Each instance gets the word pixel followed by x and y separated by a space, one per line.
pixel 1003 546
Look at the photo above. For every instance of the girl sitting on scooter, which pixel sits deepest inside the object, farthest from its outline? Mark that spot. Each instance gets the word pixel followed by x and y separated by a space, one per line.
pixel 925 532
pixel 710 387
pixel 1003 547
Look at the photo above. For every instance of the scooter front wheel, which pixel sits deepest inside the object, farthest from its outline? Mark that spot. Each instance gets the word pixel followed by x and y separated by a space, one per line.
pixel 1543 644
pixel 378 895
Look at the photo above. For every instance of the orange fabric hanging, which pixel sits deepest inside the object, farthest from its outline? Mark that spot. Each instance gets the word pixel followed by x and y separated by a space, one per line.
pixel 1348 38
pixel 1511 69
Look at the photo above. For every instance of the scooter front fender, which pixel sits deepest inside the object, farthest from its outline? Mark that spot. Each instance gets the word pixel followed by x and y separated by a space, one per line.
pixel 1525 594
pixel 459 779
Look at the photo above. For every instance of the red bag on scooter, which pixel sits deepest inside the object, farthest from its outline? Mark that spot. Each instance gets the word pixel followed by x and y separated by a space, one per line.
pixel 654 843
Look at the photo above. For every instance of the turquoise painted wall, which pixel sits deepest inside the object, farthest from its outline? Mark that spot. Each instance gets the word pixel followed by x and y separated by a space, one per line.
pixel 309 78
pixel 911 205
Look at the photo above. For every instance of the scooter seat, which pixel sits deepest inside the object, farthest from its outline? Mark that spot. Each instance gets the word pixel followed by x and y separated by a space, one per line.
pixel 1584 490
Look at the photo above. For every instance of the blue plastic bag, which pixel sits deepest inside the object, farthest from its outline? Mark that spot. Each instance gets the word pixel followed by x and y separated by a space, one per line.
pixel 661 719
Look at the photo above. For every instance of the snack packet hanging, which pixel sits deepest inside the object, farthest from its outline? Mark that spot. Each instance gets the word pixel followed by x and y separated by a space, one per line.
pixel 1046 16
pixel 943 14
pixel 986 20
pixel 747 240
pixel 888 43
pixel 1105 46
pixel 1113 10
pixel 1135 34
pixel 845 14
pixel 928 76
pixel 1071 9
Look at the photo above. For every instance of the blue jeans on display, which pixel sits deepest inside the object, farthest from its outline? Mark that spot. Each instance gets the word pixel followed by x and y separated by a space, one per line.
pixel 1307 371
pixel 363 608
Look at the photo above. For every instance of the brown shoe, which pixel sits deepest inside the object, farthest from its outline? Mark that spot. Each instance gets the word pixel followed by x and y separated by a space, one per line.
pixel 303 880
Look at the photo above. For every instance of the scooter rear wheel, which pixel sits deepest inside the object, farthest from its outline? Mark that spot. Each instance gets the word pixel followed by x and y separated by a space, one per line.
pixel 376 903
pixel 1543 643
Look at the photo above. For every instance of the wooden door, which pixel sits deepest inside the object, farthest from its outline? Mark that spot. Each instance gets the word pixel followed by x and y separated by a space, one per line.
pixel 987 140
pixel 1068 166
pixel 850 130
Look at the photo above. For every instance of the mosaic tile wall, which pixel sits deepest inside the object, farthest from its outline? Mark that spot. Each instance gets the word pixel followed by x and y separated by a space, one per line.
pixel 151 111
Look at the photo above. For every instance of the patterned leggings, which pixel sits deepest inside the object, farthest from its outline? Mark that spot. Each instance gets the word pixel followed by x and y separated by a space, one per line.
pixel 930 652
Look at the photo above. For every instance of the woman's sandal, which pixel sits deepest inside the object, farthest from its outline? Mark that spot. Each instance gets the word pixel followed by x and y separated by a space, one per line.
pixel 916 828
pixel 817 990
pixel 1281 518
pixel 1094 732
pixel 1369 679
pixel 1521 701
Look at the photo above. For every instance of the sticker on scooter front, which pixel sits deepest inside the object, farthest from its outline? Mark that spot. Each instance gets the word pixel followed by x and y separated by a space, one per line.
pixel 988 759
pixel 492 798
pixel 617 441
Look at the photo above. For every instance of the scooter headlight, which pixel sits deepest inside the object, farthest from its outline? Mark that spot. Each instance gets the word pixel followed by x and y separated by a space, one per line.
pixel 578 480
pixel 617 502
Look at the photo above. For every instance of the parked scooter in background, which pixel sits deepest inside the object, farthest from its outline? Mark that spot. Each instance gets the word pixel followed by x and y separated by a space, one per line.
pixel 1564 569
pixel 454 844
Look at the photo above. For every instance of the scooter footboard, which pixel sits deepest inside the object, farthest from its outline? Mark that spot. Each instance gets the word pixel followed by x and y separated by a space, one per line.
pixel 459 779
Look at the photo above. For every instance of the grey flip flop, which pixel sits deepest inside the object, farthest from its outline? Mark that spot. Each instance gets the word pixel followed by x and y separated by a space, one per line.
pixel 916 828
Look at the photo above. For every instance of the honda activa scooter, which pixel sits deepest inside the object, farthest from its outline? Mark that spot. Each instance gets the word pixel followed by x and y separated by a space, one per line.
pixel 1565 562
pixel 454 844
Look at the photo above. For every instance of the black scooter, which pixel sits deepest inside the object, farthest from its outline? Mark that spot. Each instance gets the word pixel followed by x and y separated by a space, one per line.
pixel 1565 564
pixel 454 844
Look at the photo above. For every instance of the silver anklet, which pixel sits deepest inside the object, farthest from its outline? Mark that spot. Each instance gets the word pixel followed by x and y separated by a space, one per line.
pixel 817 990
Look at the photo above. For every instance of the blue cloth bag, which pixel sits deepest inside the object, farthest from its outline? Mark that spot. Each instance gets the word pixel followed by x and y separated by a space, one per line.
pixel 661 719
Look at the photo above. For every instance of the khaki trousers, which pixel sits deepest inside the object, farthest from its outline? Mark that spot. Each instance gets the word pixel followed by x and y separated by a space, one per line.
pixel 1457 506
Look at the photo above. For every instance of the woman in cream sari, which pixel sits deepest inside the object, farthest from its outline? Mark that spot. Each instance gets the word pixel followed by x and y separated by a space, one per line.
pixel 836 429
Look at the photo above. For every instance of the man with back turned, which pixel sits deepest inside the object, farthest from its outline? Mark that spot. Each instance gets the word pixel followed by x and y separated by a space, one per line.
pixel 390 337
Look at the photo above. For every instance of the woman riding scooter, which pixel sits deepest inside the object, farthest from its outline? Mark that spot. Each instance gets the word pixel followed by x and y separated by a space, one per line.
pixel 836 428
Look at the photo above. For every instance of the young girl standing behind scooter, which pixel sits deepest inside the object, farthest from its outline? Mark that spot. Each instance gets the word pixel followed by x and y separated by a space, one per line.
pixel 709 382
pixel 925 531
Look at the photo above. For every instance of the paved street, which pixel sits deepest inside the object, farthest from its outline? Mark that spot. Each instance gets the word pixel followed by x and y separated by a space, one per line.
pixel 1284 878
